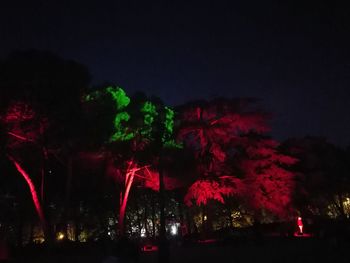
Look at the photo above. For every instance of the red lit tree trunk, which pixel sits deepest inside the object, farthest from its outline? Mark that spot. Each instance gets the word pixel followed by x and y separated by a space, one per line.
pixel 35 198
pixel 129 178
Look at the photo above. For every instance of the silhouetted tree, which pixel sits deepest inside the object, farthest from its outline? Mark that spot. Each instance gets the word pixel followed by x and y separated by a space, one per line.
pixel 322 183
pixel 51 87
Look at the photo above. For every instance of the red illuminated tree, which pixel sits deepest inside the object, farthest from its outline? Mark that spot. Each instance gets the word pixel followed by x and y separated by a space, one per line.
pixel 140 129
pixel 24 129
pixel 210 129
pixel 52 86
pixel 231 163
pixel 268 180
pixel 33 191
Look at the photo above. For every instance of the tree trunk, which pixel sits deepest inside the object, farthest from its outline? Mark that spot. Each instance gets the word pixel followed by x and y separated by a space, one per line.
pixel 153 218
pixel 35 198
pixel 189 222
pixel 69 179
pixel 42 185
pixel 181 217
pixel 19 232
pixel 66 212
pixel 145 220
pixel 163 255
pixel 341 206
pixel 139 216
pixel 337 201
pixel 129 178
pixel 31 232
pixel 204 232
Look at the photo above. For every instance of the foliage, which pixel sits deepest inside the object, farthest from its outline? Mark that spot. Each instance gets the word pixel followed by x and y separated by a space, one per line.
pixel 322 175
pixel 135 146
pixel 268 183
pixel 23 124
pixel 232 162
pixel 203 190
pixel 209 127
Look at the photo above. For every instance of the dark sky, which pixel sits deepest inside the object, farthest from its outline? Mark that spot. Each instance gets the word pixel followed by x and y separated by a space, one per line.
pixel 293 56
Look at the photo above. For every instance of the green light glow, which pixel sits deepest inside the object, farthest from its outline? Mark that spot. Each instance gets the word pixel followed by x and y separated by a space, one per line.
pixel 150 112
pixel 167 138
pixel 172 144
pixel 169 120
pixel 121 133
pixel 121 100
pixel 119 96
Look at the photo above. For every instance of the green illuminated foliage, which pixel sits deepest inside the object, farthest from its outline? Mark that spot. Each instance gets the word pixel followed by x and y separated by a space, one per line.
pixel 168 135
pixel 119 96
pixel 150 112
pixel 169 120
pixel 172 144
pixel 121 132
pixel 121 100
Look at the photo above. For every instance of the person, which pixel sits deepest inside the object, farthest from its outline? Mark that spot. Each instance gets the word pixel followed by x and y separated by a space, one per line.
pixel 300 226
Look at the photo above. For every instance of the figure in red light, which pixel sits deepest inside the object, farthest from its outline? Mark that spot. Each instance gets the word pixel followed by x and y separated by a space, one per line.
pixel 300 225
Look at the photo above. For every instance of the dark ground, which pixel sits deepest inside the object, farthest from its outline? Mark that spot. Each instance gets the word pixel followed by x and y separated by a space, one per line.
pixel 272 250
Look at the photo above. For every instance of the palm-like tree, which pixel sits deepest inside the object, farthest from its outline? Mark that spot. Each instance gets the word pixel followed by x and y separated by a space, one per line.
pixel 210 128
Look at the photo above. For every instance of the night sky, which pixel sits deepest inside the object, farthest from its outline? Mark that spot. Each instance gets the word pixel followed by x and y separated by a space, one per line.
pixel 292 56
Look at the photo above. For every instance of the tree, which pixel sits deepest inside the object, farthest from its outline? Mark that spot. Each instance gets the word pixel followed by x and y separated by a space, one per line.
pixel 137 135
pixel 322 184
pixel 51 87
pixel 268 181
pixel 209 128
pixel 24 128
pixel 231 163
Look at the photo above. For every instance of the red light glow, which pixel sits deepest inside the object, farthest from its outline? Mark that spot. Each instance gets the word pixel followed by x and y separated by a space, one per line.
pixel 33 192
pixel 300 225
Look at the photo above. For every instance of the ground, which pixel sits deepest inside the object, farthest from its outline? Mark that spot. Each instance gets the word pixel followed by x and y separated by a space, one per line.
pixel 274 250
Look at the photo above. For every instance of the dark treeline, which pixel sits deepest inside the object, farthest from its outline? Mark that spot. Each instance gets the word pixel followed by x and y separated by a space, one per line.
pixel 86 163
